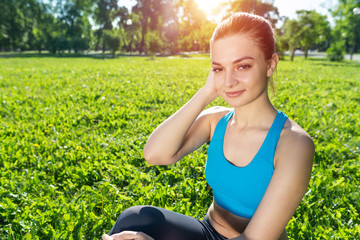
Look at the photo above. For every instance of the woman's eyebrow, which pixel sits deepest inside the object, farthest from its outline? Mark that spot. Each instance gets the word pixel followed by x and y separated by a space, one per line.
pixel 215 63
pixel 236 61
pixel 242 59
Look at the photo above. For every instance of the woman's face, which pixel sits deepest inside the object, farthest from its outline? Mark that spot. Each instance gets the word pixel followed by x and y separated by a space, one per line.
pixel 240 69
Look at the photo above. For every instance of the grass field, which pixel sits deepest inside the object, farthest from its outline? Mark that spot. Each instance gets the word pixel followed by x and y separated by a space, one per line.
pixel 72 132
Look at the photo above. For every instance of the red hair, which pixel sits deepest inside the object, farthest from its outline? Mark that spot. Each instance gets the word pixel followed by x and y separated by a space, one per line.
pixel 256 27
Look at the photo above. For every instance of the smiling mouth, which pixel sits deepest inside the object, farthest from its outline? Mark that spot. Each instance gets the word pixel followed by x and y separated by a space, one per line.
pixel 234 94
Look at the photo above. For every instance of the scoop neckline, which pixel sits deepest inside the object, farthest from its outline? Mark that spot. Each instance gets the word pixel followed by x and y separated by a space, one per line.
pixel 257 153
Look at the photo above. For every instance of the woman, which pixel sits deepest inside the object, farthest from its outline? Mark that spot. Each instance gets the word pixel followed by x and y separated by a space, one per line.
pixel 259 161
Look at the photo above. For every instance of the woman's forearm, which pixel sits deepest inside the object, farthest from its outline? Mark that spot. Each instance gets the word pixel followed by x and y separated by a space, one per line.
pixel 167 139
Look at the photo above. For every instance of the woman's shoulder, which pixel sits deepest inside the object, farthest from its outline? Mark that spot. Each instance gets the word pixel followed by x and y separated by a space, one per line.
pixel 216 113
pixel 295 143
pixel 295 134
pixel 221 110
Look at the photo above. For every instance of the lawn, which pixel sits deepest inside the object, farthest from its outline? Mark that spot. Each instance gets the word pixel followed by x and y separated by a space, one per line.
pixel 72 131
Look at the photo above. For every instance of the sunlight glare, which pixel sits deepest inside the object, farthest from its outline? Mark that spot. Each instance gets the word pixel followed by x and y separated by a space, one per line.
pixel 208 6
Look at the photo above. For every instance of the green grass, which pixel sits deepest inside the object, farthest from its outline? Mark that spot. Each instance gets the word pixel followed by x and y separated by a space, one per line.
pixel 72 132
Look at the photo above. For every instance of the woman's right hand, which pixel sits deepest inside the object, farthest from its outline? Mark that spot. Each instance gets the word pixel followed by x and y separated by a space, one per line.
pixel 127 235
pixel 209 86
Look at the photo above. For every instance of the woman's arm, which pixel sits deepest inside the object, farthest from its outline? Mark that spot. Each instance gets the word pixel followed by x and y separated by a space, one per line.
pixel 286 189
pixel 184 131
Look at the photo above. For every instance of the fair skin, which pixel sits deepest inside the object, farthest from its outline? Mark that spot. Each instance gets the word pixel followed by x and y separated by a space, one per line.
pixel 239 75
pixel 127 235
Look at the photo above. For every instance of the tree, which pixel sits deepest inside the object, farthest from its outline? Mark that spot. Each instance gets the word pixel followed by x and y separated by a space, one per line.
pixel 16 23
pixel 41 26
pixel 158 16
pixel 290 38
pixel 336 51
pixel 112 39
pixel 148 11
pixel 169 24
pixel 314 28
pixel 154 42
pixel 34 24
pixel 73 18
pixel 265 9
pixel 129 26
pixel 195 29
pixel 347 26
pixel 307 31
pixel 103 17
pixel 132 33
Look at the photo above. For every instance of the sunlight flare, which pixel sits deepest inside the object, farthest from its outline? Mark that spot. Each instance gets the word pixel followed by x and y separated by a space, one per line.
pixel 208 6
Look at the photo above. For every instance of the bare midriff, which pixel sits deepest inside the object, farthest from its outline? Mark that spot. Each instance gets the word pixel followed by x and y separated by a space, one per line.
pixel 228 224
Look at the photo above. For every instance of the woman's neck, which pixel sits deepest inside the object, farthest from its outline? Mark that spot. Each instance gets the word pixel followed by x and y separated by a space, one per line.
pixel 258 113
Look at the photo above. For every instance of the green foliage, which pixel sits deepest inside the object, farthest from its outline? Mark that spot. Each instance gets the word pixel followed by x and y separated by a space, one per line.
pixel 196 38
pixel 154 42
pixel 347 26
pixel 33 24
pixel 193 28
pixel 80 44
pixel 113 40
pixel 315 29
pixel 165 26
pixel 258 7
pixel 308 31
pixel 290 39
pixel 336 51
pixel 72 132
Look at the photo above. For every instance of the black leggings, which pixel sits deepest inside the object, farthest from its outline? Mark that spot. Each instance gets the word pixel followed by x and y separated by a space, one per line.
pixel 162 224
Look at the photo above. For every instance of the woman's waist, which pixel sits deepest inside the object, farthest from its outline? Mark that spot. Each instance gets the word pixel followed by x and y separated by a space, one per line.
pixel 225 222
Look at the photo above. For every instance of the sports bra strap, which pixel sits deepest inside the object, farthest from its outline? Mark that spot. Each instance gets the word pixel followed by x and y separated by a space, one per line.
pixel 269 145
pixel 273 135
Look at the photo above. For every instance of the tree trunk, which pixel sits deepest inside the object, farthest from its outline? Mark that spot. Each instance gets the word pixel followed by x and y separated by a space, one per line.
pixel 143 33
pixel 292 54
pixel 351 53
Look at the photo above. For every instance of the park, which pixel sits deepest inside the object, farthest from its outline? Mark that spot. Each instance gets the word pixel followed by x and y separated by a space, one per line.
pixel 77 105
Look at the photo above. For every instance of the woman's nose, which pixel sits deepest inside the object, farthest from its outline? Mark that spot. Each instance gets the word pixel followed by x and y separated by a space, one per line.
pixel 230 79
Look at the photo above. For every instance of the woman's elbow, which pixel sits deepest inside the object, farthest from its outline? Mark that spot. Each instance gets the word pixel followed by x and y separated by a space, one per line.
pixel 155 159
pixel 149 157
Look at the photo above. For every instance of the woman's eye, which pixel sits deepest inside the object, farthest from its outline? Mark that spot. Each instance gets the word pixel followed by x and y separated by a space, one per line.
pixel 217 69
pixel 244 66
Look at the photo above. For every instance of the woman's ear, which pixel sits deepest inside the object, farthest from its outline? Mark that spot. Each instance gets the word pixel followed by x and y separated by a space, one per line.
pixel 272 64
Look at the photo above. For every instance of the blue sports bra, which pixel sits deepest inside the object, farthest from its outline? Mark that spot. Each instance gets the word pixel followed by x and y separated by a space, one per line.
pixel 240 189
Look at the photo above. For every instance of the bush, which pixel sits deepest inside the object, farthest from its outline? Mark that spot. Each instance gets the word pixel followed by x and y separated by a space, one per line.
pixel 80 44
pixel 62 44
pixel 336 51
pixel 112 40
pixel 154 42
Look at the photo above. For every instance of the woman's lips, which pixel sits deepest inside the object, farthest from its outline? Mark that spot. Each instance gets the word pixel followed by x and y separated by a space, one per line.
pixel 234 93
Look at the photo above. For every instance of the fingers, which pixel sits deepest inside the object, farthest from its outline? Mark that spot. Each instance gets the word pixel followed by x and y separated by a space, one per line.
pixel 127 235
pixel 107 237
pixel 209 87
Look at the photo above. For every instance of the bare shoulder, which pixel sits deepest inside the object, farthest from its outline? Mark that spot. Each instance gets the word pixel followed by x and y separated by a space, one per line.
pixel 214 114
pixel 216 111
pixel 297 137
pixel 295 143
